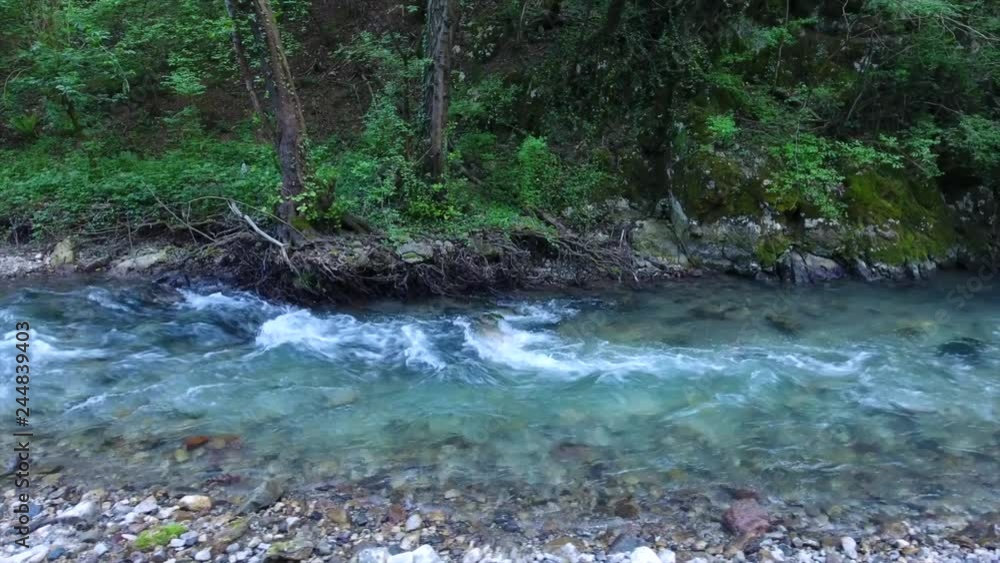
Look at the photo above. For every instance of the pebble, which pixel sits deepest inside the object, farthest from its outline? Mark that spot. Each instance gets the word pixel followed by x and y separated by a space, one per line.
pixel 667 556
pixel 84 511
pixel 196 503
pixel 425 554
pixel 474 555
pixel 849 546
pixel 203 555
pixel 147 506
pixel 643 555
pixel 414 522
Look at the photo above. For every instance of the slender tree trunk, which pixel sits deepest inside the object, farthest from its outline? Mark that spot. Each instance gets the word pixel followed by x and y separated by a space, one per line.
pixel 440 36
pixel 290 129
pixel 612 20
pixel 246 74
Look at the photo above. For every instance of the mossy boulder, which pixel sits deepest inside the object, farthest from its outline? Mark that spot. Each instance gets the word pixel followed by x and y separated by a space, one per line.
pixel 900 222
pixel 656 239
pixel 64 254
pixel 159 536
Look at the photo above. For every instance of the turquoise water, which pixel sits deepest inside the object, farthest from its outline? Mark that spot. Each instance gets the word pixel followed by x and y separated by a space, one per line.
pixel 846 393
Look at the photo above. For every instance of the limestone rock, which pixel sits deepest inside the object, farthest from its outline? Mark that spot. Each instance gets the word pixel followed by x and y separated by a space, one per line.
pixel 85 511
pixel 656 239
pixel 426 554
pixel 196 503
pixel 298 549
pixel 141 262
pixel 371 555
pixel 644 555
pixel 35 554
pixel 266 494
pixel 415 252
pixel 64 254
pixel 805 268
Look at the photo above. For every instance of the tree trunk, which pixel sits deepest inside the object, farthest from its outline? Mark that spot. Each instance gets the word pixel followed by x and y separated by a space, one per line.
pixel 246 74
pixel 440 35
pixel 290 125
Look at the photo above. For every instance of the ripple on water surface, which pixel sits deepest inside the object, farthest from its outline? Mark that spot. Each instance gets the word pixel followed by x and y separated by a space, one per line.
pixel 848 392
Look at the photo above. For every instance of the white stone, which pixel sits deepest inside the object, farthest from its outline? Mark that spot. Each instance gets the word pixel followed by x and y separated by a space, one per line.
pixel 644 555
pixel 86 510
pixel 100 549
pixel 568 553
pixel 414 522
pixel 196 503
pixel 35 554
pixel 850 547
pixel 203 555
pixel 146 506
pixel 405 557
pixel 372 555
pixel 426 554
pixel 474 555
pixel 667 556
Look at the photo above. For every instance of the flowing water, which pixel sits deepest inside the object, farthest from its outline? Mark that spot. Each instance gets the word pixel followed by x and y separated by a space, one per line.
pixel 846 393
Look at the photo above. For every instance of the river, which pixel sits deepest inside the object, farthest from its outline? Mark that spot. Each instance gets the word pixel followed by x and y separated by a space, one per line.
pixel 848 394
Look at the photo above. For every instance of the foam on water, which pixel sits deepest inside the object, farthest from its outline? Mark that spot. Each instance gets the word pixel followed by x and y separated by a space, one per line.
pixel 228 300
pixel 341 336
pixel 106 299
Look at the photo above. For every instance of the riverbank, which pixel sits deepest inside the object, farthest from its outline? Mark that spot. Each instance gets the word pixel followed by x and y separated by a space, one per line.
pixel 626 248
pixel 388 523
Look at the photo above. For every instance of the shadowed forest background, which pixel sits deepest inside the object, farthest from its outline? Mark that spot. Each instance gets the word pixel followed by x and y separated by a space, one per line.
pixel 119 116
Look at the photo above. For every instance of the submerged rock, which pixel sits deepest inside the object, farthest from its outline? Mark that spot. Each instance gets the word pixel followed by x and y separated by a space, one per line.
pixel 746 517
pixel 968 348
pixel 783 324
pixel 915 328
pixel 626 542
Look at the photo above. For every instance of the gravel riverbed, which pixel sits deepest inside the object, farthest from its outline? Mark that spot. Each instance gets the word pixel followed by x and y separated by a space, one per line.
pixel 268 523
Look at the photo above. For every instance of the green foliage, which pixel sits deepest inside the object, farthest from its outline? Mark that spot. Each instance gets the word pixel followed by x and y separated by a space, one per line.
pixel 978 137
pixel 811 171
pixel 159 536
pixel 731 104
pixel 26 125
pixel 537 173
pixel 722 128
pixel 56 187
pixel 485 104
pixel 398 72
pixel 75 60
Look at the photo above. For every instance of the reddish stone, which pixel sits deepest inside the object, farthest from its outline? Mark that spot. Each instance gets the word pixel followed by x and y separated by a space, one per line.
pixel 746 517
pixel 194 442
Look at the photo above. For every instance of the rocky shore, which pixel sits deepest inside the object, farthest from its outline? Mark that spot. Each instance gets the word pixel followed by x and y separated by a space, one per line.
pixel 269 524
pixel 627 247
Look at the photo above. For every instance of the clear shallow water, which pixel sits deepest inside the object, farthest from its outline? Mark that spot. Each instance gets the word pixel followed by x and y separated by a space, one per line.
pixel 840 394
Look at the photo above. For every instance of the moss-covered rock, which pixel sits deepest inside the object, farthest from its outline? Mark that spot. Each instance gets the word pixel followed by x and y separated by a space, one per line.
pixel 656 239
pixel 899 222
pixel 159 536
